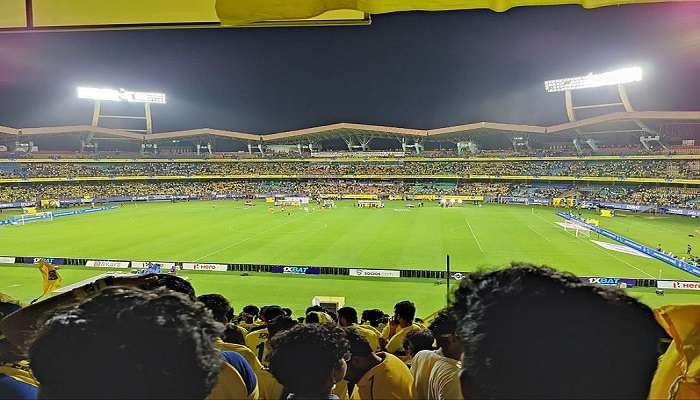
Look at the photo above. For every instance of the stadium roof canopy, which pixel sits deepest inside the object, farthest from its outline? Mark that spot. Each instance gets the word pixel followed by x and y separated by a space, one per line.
pixel 42 15
pixel 602 124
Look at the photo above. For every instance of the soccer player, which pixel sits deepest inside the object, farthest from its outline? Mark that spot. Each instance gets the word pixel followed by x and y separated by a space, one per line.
pixel 690 249
pixel 94 349
pixel 532 332
pixel 308 360
pixel 401 325
pixel 376 376
pixel 347 317
pixel 436 373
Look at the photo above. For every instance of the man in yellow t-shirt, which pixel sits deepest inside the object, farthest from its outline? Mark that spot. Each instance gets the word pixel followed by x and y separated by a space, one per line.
pixel 347 317
pixel 399 326
pixel 257 338
pixel 376 376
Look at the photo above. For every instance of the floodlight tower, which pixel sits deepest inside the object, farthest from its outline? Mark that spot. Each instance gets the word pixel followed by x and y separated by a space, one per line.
pixel 121 95
pixel 613 78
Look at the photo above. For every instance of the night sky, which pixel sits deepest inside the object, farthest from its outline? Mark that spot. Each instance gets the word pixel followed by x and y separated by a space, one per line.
pixel 417 70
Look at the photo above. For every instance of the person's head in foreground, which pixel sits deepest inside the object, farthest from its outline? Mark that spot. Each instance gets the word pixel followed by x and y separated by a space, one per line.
pixel 347 316
pixel 308 360
pixel 249 313
pixel 444 330
pixel 218 305
pixel 362 359
pixel 418 340
pixel 404 312
pixel 128 343
pixel 532 332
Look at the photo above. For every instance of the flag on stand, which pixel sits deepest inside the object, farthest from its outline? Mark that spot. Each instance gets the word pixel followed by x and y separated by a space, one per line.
pixel 51 280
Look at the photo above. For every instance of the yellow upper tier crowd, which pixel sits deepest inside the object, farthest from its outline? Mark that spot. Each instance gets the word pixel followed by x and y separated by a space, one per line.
pixel 650 168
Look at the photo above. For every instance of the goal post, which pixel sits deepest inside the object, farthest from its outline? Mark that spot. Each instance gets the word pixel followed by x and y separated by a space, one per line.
pixel 576 229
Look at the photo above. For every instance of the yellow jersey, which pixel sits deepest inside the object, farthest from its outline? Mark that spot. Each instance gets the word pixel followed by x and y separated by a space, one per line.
pixel 256 341
pixel 230 385
pixel 395 343
pixel 371 336
pixel 678 373
pixel 244 351
pixel 388 380
pixel 376 330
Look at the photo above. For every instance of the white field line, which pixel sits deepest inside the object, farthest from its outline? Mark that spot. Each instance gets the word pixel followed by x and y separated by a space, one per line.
pixel 607 253
pixel 476 239
pixel 242 241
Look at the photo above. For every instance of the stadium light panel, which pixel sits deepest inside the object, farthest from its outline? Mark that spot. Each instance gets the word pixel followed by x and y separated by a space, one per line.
pixel 120 95
pixel 625 75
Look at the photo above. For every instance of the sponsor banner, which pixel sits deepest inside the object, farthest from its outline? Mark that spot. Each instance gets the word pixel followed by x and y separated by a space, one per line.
pixel 7 260
pixel 525 200
pixel 458 276
pixel 296 270
pixel 17 205
pixel 35 260
pixel 107 264
pixel 463 198
pixel 142 264
pixel 604 281
pixel 204 267
pixel 682 211
pixel 622 206
pixel 376 273
pixel 685 285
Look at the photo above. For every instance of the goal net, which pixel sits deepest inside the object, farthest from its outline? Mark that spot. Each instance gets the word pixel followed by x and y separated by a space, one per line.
pixel 576 229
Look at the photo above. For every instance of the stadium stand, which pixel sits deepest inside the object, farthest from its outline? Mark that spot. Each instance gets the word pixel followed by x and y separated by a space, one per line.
pixel 650 180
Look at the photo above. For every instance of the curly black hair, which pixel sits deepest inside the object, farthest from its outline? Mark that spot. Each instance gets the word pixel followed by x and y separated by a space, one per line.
pixel 128 343
pixel 302 358
pixel 172 282
pixel 421 339
pixel 218 305
pixel 533 332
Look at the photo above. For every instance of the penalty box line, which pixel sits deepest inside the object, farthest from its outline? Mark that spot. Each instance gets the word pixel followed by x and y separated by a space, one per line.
pixel 476 239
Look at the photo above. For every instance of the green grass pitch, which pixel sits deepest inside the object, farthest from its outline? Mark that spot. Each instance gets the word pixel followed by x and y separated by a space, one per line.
pixel 393 237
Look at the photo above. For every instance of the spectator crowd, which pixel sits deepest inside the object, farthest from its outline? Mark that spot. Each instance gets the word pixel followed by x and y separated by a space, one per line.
pixel 519 332
pixel 656 168
pixel 651 195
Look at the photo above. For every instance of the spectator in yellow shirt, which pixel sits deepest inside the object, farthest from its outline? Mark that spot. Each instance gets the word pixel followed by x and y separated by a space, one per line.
pixel 347 317
pixel 399 326
pixel 376 376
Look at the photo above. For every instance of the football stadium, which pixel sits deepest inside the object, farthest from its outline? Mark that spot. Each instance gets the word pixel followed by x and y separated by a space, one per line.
pixel 284 233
